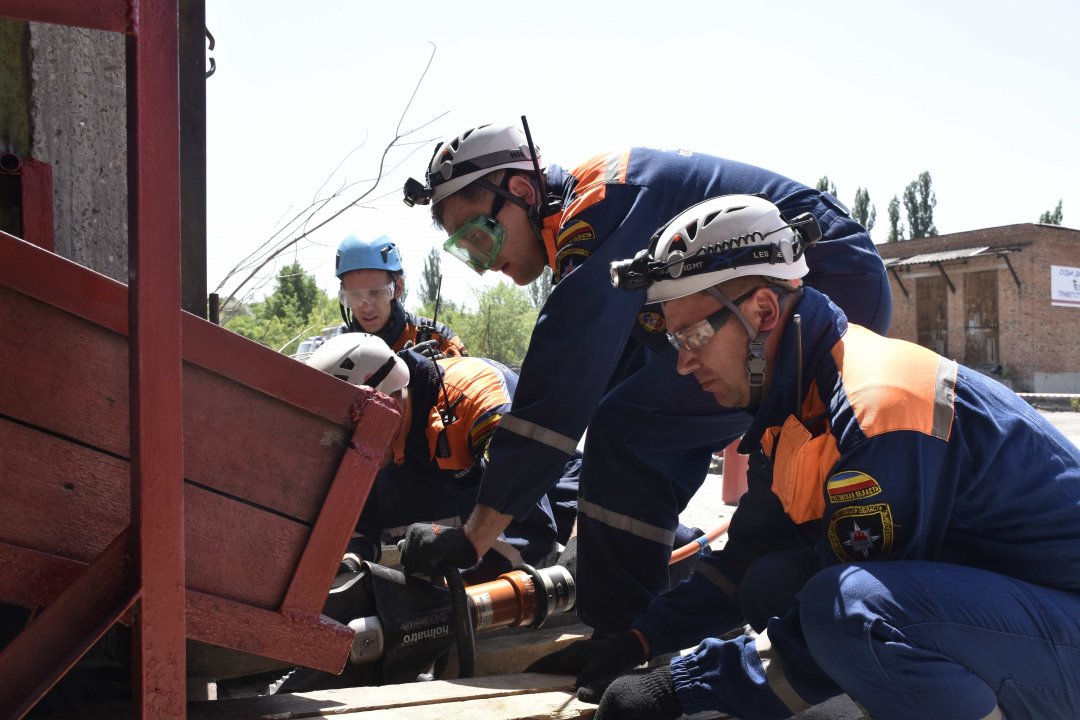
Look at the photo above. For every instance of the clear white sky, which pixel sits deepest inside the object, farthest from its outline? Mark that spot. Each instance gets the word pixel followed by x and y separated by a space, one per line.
pixel 984 95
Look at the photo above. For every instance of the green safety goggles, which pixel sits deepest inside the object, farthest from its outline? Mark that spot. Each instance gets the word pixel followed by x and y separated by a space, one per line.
pixel 477 243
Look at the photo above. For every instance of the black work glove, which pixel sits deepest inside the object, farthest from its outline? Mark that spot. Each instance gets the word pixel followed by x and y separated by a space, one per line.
pixel 568 557
pixel 644 695
pixel 429 349
pixel 426 544
pixel 595 662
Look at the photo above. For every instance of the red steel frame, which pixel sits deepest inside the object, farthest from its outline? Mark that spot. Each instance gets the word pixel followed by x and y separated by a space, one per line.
pixel 143 570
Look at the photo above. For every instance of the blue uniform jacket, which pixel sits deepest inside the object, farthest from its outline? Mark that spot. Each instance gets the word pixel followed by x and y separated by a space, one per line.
pixel 901 455
pixel 611 206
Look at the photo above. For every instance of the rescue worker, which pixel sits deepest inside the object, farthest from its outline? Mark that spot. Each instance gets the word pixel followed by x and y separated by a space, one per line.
pixel 372 285
pixel 450 408
pixel 926 518
pixel 599 358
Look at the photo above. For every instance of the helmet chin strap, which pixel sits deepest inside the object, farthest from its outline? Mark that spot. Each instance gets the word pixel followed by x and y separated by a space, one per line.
pixel 756 365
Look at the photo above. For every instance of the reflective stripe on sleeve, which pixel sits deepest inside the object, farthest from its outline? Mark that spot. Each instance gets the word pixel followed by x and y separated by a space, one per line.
pixel 538 433
pixel 717 578
pixel 774 674
pixel 626 523
pixel 944 398
pixel 509 552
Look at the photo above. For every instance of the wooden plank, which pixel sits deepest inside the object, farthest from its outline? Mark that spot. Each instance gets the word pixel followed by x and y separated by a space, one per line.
pixel 32 579
pixel 58 497
pixel 246 443
pixel 511 651
pixel 39 275
pixel 63 374
pixel 69 376
pixel 316 642
pixel 408 698
pixel 71 504
pixel 563 705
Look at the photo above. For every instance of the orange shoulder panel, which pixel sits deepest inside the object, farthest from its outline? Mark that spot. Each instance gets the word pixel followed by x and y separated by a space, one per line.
pixel 895 385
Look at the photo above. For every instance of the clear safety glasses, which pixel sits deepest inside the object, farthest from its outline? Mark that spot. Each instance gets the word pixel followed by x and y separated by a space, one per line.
pixel 477 243
pixel 698 335
pixel 371 296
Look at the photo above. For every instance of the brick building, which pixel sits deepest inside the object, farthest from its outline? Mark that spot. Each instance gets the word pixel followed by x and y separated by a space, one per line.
pixel 1004 300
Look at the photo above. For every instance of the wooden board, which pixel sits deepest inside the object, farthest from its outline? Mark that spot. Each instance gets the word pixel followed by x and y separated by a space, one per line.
pixel 504 697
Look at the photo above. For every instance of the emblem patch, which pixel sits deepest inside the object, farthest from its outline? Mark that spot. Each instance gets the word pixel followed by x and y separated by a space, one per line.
pixel 861 532
pixel 851 485
pixel 653 322
pixel 575 232
pixel 566 262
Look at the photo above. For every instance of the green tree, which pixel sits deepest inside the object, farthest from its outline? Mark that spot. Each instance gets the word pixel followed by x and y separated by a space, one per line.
pixel 863 211
pixel 919 203
pixel 896 231
pixel 540 288
pixel 1052 218
pixel 296 292
pixel 295 310
pixel 502 325
pixel 826 185
pixel 431 277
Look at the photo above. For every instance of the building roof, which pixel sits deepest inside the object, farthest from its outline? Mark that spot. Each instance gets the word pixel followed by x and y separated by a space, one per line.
pixel 941 256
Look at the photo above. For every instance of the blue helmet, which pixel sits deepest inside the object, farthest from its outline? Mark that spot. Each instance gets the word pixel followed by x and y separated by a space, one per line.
pixel 356 254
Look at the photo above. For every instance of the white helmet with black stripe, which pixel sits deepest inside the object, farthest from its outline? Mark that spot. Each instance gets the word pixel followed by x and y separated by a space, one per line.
pixel 362 359
pixel 717 240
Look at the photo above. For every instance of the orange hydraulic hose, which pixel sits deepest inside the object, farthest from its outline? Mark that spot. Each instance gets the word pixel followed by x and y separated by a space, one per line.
pixel 694 547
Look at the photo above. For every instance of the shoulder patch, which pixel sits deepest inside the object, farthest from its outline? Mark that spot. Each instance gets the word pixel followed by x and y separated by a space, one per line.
pixel 575 232
pixel 652 321
pixel 851 485
pixel 567 260
pixel 861 532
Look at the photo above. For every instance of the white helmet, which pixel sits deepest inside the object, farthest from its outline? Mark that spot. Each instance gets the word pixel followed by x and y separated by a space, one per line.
pixel 717 240
pixel 470 156
pixel 362 359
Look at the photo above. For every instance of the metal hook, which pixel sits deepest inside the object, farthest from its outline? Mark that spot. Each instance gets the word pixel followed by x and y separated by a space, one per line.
pixel 213 63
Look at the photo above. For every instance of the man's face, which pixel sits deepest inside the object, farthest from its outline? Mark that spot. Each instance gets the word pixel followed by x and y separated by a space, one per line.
pixel 522 257
pixel 719 365
pixel 372 294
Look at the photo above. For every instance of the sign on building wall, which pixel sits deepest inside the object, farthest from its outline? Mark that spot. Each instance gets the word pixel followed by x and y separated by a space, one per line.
pixel 1064 286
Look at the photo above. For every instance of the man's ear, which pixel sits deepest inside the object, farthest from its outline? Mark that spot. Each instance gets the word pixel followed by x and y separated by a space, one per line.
pixel 399 285
pixel 767 308
pixel 523 188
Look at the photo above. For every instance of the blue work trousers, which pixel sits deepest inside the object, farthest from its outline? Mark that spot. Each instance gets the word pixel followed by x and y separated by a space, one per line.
pixel 916 639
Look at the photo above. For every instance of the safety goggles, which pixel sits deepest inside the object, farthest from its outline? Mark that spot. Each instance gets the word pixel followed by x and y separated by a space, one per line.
pixel 372 296
pixel 698 335
pixel 477 243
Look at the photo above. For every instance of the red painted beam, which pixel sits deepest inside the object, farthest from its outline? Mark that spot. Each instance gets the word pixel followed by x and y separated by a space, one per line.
pixel 319 642
pixel 377 424
pixel 37 203
pixel 114 15
pixel 60 634
pixel 155 358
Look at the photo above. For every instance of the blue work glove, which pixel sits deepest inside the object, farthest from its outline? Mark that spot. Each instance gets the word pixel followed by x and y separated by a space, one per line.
pixel 595 662
pixel 644 695
pixel 426 544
